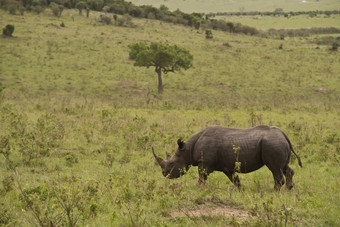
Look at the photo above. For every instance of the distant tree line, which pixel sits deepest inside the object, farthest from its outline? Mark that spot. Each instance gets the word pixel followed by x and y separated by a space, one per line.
pixel 195 20
pixel 302 32
pixel 276 12
pixel 121 7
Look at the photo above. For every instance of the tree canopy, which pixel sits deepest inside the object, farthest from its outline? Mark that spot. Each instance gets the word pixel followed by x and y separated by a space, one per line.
pixel 164 57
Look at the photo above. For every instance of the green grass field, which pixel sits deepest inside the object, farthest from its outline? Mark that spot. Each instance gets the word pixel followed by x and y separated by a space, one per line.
pixel 78 122
pixel 214 6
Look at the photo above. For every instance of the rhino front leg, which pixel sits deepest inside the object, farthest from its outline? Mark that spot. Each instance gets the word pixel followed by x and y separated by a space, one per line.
pixel 203 173
pixel 233 178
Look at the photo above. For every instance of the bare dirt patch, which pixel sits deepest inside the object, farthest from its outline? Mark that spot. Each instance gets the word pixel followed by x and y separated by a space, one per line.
pixel 125 84
pixel 53 25
pixel 11 37
pixel 320 89
pixel 128 86
pixel 213 211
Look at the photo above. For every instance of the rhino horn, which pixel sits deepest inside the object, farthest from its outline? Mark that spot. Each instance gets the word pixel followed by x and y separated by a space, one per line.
pixel 168 156
pixel 160 161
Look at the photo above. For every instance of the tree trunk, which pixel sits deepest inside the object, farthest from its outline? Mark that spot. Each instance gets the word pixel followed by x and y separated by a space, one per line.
pixel 160 82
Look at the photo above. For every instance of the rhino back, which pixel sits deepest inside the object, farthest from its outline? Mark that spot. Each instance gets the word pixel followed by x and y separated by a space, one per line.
pixel 220 147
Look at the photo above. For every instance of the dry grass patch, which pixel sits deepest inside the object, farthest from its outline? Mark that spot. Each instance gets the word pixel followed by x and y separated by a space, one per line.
pixel 213 211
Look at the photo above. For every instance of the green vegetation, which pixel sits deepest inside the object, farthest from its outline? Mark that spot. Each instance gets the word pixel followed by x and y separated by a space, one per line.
pixel 164 57
pixel 78 122
pixel 8 30
pixel 335 47
pixel 208 34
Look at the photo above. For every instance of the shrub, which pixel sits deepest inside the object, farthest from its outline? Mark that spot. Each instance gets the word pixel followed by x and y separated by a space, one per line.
pixel 7 182
pixel 208 34
pixel 6 216
pixel 125 21
pixel 226 44
pixel 105 19
pixel 335 47
pixel 38 9
pixel 231 26
pixel 71 159
pixel 37 142
pixel 8 30
pixel 52 203
pixel 239 28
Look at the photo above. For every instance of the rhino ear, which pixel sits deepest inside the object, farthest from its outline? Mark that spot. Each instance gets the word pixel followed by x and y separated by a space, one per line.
pixel 180 144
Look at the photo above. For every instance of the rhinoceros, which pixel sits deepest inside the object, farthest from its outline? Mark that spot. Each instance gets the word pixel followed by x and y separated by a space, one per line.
pixel 231 151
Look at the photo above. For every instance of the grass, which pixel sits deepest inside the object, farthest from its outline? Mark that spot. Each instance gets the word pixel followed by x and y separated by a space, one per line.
pixel 87 118
pixel 215 6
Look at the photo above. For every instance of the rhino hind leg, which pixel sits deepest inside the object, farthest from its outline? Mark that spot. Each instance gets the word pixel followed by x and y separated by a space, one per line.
pixel 289 173
pixel 233 178
pixel 278 179
pixel 277 174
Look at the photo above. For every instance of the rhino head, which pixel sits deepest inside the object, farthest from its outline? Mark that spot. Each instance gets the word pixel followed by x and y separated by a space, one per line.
pixel 173 167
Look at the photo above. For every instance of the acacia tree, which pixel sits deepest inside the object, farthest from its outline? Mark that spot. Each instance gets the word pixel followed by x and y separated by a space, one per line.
pixel 80 6
pixel 164 57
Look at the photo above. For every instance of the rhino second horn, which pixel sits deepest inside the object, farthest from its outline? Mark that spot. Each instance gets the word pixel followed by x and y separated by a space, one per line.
pixel 168 156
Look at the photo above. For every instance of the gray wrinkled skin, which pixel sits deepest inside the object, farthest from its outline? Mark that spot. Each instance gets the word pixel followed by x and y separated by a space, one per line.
pixel 218 148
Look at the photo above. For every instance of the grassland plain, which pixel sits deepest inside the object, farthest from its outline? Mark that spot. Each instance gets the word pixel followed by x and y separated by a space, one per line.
pixel 214 6
pixel 78 121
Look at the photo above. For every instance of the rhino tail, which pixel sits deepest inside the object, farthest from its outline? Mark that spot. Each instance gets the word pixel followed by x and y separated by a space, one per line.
pixel 291 147
pixel 299 160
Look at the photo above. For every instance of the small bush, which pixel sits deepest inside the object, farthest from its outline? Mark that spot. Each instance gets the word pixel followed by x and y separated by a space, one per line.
pixel 8 30
pixel 125 21
pixel 226 45
pixel 6 216
pixel 208 34
pixel 105 19
pixel 7 183
pixel 335 47
pixel 38 9
pixel 71 159
pixel 115 17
